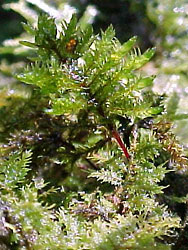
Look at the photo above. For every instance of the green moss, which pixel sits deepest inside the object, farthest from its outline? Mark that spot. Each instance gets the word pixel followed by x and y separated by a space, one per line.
pixel 83 187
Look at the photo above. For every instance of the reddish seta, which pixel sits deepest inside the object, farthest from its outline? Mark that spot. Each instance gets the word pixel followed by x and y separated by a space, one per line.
pixel 120 143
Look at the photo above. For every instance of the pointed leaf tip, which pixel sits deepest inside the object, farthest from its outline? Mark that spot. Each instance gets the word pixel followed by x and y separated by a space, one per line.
pixel 28 44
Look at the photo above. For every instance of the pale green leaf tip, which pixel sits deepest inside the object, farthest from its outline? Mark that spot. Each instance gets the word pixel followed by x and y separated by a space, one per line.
pixel 134 38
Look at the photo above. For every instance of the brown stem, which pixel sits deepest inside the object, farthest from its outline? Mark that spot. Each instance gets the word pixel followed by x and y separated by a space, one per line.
pixel 120 143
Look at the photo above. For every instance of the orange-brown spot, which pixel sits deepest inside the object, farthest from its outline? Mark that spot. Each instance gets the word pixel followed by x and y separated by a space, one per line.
pixel 71 45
